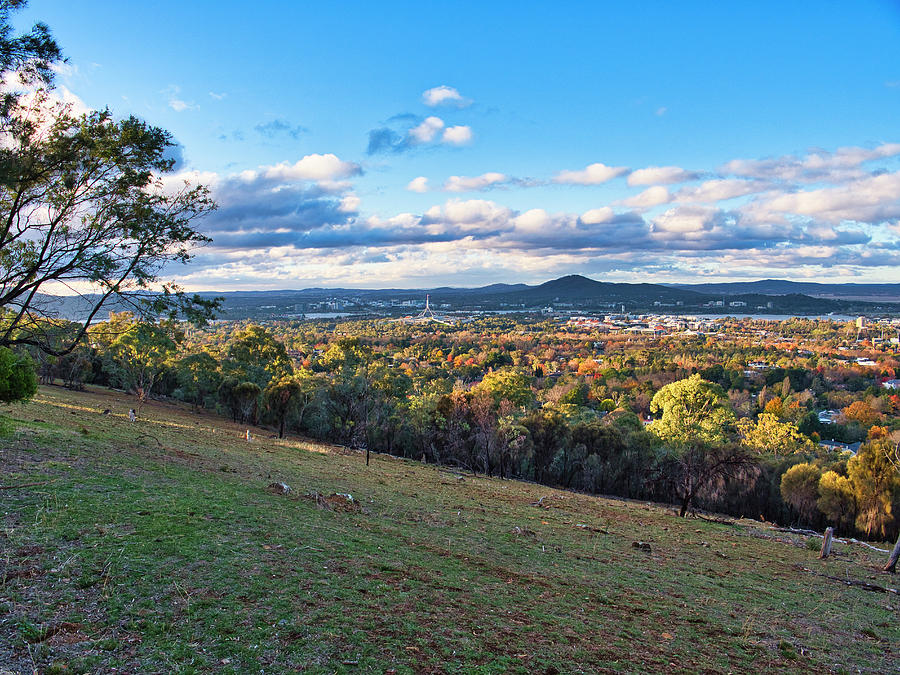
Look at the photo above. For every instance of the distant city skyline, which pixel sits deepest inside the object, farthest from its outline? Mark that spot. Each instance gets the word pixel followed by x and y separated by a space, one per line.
pixel 408 145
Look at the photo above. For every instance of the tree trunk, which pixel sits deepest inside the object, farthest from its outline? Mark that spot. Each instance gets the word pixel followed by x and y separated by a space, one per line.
pixel 281 428
pixel 685 503
pixel 892 561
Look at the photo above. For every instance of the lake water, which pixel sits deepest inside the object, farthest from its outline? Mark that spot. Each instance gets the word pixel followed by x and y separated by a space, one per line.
pixel 772 317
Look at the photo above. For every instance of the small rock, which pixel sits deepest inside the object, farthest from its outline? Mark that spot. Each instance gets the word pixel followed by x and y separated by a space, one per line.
pixel 280 488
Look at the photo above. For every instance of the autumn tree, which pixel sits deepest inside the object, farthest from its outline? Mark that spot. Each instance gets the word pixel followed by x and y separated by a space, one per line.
pixel 861 413
pixel 769 435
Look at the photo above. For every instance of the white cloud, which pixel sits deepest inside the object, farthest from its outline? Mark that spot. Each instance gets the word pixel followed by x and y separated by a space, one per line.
pixel 838 166
pixel 313 167
pixel 418 184
pixel 874 199
pixel 175 102
pixel 652 196
pixel 598 216
pixel 661 111
pixel 660 175
pixel 720 190
pixel 216 96
pixel 471 183
pixel 533 220
pixel 349 203
pixel 593 174
pixel 459 135
pixel 685 221
pixel 444 95
pixel 474 214
pixel 427 130
pixel 296 220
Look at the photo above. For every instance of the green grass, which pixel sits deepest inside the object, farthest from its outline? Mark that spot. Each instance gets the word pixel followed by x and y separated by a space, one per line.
pixel 156 547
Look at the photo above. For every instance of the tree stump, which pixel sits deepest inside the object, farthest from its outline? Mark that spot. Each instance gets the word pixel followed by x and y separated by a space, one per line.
pixel 826 543
pixel 892 561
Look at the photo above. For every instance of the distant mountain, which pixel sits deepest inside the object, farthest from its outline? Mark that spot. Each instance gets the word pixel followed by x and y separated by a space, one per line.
pixel 572 292
pixel 575 288
pixel 869 292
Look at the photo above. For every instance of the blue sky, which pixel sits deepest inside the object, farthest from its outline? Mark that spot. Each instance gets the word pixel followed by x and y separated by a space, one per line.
pixel 424 144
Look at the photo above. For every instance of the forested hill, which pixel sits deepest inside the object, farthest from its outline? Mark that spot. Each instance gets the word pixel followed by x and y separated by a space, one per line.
pixel 572 292
pixel 870 292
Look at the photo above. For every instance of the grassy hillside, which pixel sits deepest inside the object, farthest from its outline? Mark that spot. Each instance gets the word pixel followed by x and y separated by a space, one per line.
pixel 157 547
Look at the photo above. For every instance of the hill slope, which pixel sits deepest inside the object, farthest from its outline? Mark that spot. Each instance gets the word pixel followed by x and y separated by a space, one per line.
pixel 867 292
pixel 157 547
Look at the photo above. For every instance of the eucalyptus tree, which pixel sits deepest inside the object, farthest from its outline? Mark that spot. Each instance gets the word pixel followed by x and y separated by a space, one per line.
pixel 695 426
pixel 84 205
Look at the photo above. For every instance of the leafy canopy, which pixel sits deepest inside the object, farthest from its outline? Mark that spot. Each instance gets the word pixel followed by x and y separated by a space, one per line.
pixel 83 204
pixel 692 411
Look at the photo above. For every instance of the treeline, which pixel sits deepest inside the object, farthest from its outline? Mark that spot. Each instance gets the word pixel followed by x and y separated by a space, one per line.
pixel 504 417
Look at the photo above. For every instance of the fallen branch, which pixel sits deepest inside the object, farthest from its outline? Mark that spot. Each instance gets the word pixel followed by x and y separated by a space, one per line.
pixel 794 530
pixel 813 533
pixel 23 485
pixel 862 543
pixel 863 584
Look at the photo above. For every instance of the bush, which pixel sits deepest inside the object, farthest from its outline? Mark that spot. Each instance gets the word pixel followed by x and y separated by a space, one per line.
pixel 18 381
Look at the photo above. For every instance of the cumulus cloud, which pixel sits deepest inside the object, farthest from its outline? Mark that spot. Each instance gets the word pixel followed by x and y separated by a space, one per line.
pixel 596 216
pixel 593 174
pixel 458 135
pixel 418 184
pixel 315 167
pixel 720 190
pixel 841 165
pixel 427 130
pixel 444 95
pixel 409 131
pixel 873 199
pixel 660 175
pixel 298 204
pixel 305 215
pixel 652 196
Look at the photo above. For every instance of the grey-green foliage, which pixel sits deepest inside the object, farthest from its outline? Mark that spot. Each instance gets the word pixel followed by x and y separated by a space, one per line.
pixel 17 378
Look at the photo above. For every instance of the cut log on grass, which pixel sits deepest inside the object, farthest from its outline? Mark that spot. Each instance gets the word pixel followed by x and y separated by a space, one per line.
pixel 826 543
